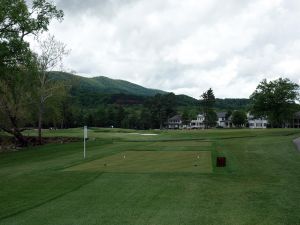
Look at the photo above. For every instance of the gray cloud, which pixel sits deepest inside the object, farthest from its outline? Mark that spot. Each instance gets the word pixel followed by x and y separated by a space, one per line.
pixel 184 46
pixel 102 8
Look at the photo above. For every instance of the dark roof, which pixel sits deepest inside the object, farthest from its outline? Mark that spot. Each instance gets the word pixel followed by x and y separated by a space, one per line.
pixel 297 115
pixel 176 117
pixel 221 114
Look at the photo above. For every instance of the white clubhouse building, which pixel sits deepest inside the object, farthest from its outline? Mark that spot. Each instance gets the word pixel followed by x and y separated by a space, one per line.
pixel 198 123
pixel 256 122
pixel 224 122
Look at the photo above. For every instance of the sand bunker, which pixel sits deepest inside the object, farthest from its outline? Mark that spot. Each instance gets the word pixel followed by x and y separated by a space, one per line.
pixel 144 134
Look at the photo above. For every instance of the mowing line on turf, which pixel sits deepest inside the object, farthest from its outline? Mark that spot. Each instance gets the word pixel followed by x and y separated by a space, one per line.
pixel 151 161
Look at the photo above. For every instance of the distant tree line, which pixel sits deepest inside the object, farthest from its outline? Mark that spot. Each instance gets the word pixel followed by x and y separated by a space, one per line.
pixel 232 103
pixel 151 115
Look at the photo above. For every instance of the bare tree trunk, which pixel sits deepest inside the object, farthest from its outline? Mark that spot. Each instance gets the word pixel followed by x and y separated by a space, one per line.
pixel 62 124
pixel 17 133
pixel 20 138
pixel 40 119
pixel 13 128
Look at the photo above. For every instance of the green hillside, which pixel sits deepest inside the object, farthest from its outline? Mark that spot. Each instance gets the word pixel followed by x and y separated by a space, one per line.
pixel 232 103
pixel 104 85
pixel 103 90
pixel 92 92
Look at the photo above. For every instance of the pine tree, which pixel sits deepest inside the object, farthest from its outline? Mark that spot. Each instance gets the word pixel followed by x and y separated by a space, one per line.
pixel 207 102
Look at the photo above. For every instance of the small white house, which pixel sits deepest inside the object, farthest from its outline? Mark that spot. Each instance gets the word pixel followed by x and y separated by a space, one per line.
pixel 198 123
pixel 223 121
pixel 256 122
pixel 295 123
pixel 175 122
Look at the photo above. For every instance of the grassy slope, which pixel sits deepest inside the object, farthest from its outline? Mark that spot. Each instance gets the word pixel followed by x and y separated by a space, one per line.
pixel 259 186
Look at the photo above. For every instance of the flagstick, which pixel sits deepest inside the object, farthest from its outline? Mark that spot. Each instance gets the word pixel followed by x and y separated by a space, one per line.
pixel 85 135
pixel 84 148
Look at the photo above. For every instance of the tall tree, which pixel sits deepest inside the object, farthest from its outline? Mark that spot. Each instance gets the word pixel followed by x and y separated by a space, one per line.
pixel 185 117
pixel 18 21
pixel 111 116
pixel 145 119
pixel 207 102
pixel 239 118
pixel 228 114
pixel 100 117
pixel 15 103
pixel 161 108
pixel 275 100
pixel 55 109
pixel 50 57
pixel 120 115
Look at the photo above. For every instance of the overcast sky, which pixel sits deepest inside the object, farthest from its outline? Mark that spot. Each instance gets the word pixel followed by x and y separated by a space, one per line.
pixel 183 46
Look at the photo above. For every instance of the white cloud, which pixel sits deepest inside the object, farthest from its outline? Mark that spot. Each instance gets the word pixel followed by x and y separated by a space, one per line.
pixel 184 46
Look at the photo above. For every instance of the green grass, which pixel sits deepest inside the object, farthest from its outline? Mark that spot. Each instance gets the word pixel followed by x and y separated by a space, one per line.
pixel 151 161
pixel 181 144
pixel 52 184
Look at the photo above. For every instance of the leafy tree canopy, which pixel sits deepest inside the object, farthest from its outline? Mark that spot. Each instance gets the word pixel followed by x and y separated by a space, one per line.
pixel 17 21
pixel 275 100
pixel 208 99
pixel 161 107
pixel 239 118
pixel 17 62
pixel 207 103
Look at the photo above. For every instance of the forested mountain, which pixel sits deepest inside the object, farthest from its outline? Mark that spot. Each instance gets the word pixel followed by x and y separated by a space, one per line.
pixel 104 85
pixel 91 92
pixel 232 103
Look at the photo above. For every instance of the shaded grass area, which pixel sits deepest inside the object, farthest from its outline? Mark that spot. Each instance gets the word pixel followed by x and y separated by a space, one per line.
pixel 151 161
pixel 260 185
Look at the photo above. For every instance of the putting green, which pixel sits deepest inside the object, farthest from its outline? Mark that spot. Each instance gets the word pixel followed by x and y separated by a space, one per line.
pixel 151 161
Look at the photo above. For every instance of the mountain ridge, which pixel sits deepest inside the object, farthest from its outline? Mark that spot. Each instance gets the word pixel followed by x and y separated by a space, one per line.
pixel 94 91
pixel 106 85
